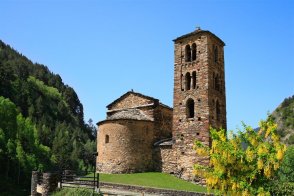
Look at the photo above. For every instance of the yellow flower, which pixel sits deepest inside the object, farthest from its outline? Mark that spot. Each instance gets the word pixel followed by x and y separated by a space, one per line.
pixel 267 171
pixel 280 154
pixel 276 166
pixel 267 133
pixel 214 144
pixel 262 150
pixel 223 137
pixel 259 164
pixel 284 148
pixel 262 192
pixel 249 155
pixel 212 180
pixel 254 142
pixel 199 151
pixel 245 193
pixel 234 186
pixel 275 138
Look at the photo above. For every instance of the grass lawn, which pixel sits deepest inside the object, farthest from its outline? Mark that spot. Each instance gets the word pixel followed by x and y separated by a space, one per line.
pixel 152 179
pixel 75 192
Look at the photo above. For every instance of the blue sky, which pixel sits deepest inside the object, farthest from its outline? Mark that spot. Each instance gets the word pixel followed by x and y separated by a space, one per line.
pixel 106 48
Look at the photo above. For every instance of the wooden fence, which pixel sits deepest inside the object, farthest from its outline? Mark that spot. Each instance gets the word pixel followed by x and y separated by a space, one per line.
pixel 71 180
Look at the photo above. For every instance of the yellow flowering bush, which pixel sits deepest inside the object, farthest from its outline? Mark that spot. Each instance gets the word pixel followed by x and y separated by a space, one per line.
pixel 242 164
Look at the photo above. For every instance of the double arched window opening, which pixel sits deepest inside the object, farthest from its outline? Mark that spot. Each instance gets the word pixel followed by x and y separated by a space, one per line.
pixel 194 52
pixel 190 108
pixel 187 53
pixel 190 54
pixel 189 79
pixel 216 82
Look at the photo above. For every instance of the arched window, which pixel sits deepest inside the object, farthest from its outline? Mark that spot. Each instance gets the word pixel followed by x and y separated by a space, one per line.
pixel 213 107
pixel 213 77
pixel 106 139
pixel 194 49
pixel 188 81
pixel 216 83
pixel 190 108
pixel 220 84
pixel 187 53
pixel 215 54
pixel 194 79
pixel 218 112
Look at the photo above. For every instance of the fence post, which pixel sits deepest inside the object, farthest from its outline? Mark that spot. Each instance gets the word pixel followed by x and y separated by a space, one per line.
pixel 34 182
pixel 50 183
pixel 94 181
pixel 61 176
pixel 98 186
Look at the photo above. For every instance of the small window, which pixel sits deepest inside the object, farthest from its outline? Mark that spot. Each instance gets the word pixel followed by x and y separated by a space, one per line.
pixel 194 48
pixel 220 85
pixel 213 77
pixel 190 108
pixel 215 54
pixel 187 53
pixel 216 83
pixel 106 139
pixel 194 79
pixel 188 81
pixel 218 112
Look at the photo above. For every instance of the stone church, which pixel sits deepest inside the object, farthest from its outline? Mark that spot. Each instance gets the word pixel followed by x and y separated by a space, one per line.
pixel 141 134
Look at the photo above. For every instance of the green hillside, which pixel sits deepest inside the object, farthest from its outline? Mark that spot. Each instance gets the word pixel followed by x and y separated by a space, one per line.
pixel 41 121
pixel 284 117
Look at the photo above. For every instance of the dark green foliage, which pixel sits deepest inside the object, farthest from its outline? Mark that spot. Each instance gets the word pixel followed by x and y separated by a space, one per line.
pixel 282 189
pixel 20 149
pixel 291 139
pixel 283 183
pixel 41 120
pixel 286 171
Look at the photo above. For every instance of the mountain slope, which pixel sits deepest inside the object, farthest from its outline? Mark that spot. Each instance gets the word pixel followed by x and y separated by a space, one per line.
pixel 284 117
pixel 41 120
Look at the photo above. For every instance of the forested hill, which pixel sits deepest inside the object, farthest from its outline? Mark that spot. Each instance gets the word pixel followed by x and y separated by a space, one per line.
pixel 284 117
pixel 41 120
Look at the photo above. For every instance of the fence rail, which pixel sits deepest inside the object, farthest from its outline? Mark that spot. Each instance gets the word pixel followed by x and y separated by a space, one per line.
pixel 79 181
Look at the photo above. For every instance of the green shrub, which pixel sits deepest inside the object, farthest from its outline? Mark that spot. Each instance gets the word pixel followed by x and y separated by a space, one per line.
pixel 291 139
pixel 285 188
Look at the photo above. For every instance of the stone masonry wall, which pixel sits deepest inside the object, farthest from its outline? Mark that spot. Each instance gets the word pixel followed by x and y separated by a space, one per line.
pixel 162 122
pixel 168 157
pixel 129 148
pixel 186 130
pixel 131 101
pixel 217 68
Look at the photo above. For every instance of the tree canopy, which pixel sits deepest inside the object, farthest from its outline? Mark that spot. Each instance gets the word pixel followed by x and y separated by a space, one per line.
pixel 41 120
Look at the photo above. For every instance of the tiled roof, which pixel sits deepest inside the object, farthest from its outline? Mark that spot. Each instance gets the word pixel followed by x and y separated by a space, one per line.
pixel 134 114
pixel 198 32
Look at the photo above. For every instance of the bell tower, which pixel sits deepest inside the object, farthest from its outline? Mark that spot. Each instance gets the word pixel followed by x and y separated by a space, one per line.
pixel 199 95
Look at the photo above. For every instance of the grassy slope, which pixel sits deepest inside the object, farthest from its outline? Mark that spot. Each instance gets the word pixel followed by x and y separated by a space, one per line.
pixel 152 179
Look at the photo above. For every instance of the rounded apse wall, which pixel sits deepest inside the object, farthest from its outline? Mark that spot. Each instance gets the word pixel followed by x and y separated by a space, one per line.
pixel 124 146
